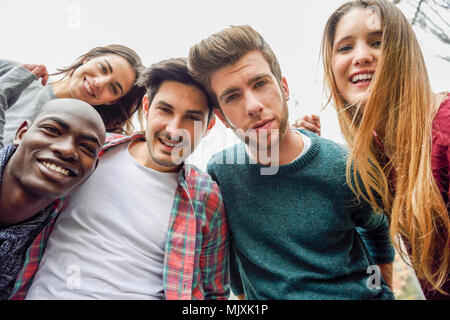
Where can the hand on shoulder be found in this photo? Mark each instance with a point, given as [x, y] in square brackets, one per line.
[39, 70]
[311, 123]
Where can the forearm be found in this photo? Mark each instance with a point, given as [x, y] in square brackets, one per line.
[387, 271]
[12, 85]
[6, 66]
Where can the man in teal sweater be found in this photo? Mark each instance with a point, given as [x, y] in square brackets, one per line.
[297, 230]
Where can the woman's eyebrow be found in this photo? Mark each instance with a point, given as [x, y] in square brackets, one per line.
[111, 71]
[371, 34]
[109, 65]
[344, 39]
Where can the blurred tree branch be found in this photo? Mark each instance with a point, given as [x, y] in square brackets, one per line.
[428, 16]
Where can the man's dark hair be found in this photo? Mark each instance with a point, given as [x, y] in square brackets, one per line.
[174, 69]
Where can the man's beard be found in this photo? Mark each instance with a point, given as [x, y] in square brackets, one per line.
[263, 140]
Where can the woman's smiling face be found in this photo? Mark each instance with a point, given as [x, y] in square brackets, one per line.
[356, 50]
[102, 80]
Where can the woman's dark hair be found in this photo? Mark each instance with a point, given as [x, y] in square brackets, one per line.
[117, 116]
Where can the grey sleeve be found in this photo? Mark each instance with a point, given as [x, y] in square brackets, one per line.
[12, 83]
[7, 65]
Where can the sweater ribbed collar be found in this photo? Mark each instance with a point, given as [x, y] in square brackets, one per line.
[297, 164]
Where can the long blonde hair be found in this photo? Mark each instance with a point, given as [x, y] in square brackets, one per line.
[400, 110]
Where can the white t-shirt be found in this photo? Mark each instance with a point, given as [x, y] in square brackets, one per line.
[306, 144]
[109, 242]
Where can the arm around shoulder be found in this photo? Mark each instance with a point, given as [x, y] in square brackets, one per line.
[6, 65]
[12, 84]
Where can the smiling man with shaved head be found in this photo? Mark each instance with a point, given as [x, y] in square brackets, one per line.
[48, 159]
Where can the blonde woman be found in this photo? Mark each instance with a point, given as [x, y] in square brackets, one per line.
[398, 131]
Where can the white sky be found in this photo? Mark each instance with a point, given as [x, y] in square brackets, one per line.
[55, 33]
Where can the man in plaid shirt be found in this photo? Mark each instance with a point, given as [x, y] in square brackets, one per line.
[145, 225]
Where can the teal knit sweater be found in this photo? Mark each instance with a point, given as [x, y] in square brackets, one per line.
[300, 234]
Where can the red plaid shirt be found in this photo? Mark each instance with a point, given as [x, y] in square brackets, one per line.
[196, 256]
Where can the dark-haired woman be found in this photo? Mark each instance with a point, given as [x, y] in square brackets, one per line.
[105, 77]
